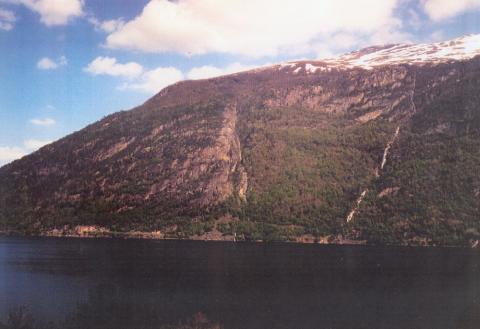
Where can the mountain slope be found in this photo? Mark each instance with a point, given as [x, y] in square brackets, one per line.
[297, 151]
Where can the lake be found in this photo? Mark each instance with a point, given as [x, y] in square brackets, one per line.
[110, 283]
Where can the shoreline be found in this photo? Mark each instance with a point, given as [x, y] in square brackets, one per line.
[204, 238]
[93, 231]
[156, 235]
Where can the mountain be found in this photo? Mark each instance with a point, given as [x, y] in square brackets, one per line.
[381, 146]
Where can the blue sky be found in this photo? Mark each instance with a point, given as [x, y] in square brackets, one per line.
[67, 63]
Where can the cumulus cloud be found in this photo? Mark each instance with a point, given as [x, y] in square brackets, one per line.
[8, 154]
[43, 122]
[414, 19]
[437, 36]
[204, 72]
[7, 19]
[35, 144]
[336, 44]
[248, 27]
[107, 26]
[153, 81]
[442, 9]
[11, 153]
[110, 66]
[46, 63]
[139, 79]
[53, 12]
[209, 71]
[389, 34]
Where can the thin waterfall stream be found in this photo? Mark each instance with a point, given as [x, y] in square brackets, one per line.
[386, 151]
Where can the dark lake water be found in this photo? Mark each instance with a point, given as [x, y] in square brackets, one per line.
[109, 283]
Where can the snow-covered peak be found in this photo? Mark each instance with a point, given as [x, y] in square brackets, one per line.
[462, 48]
[457, 49]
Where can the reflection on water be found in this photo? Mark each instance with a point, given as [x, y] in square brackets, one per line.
[149, 284]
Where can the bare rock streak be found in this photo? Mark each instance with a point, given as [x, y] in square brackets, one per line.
[386, 151]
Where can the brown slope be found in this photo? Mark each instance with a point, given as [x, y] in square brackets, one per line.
[279, 145]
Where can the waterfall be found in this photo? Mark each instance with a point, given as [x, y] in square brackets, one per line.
[357, 204]
[412, 101]
[386, 151]
[359, 200]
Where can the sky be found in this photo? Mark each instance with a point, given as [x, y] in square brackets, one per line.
[67, 63]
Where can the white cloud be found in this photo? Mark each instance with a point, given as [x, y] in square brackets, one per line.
[248, 27]
[323, 50]
[8, 154]
[108, 26]
[54, 12]
[208, 71]
[112, 25]
[148, 81]
[46, 63]
[204, 72]
[7, 19]
[442, 9]
[153, 81]
[11, 153]
[337, 44]
[110, 66]
[35, 144]
[437, 36]
[43, 122]
[389, 34]
[414, 19]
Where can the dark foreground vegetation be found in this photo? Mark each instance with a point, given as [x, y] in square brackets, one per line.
[20, 318]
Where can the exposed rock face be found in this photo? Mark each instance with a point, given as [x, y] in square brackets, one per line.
[284, 152]
[225, 155]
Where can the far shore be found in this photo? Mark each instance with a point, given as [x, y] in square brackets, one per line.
[91, 232]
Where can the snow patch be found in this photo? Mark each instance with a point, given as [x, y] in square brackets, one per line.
[284, 65]
[462, 48]
[458, 49]
[311, 68]
[472, 44]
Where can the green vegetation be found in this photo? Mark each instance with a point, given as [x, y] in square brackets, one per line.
[436, 173]
[309, 145]
[307, 176]
[260, 231]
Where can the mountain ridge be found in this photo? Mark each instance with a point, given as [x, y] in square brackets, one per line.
[277, 153]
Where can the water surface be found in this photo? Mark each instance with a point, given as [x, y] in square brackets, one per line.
[109, 283]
